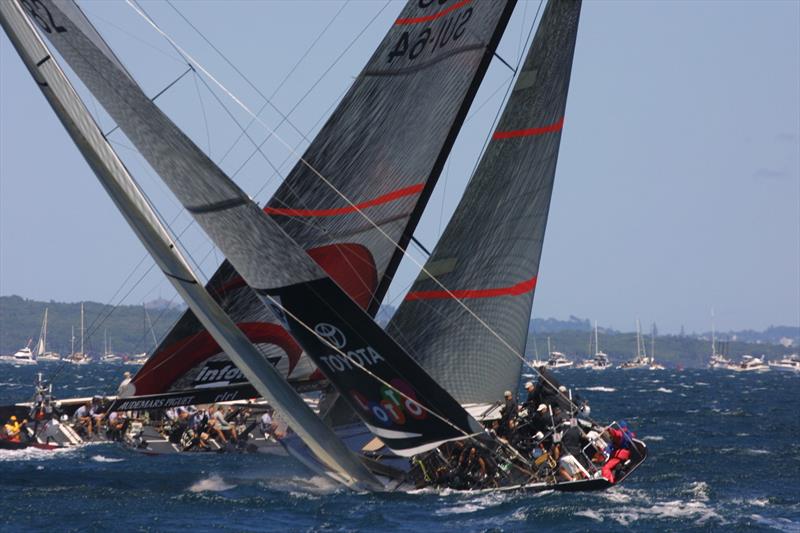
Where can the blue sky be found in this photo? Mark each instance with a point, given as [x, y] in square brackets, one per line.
[678, 183]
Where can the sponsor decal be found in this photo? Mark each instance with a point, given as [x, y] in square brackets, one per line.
[397, 404]
[331, 334]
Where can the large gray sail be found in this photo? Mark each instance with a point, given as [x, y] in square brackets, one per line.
[134, 207]
[399, 402]
[488, 256]
[383, 148]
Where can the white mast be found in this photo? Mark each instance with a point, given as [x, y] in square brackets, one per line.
[638, 340]
[713, 337]
[596, 342]
[140, 216]
[72, 342]
[82, 352]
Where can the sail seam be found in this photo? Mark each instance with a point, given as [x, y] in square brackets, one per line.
[513, 290]
[426, 64]
[428, 18]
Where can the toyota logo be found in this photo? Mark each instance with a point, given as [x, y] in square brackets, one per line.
[331, 334]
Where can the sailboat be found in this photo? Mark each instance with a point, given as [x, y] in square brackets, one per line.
[311, 290]
[108, 356]
[653, 364]
[641, 360]
[717, 360]
[42, 354]
[600, 360]
[79, 357]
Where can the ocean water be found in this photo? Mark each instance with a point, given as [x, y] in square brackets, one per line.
[724, 456]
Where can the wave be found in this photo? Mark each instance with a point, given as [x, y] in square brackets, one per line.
[654, 438]
[33, 454]
[664, 389]
[212, 484]
[599, 389]
[781, 524]
[104, 459]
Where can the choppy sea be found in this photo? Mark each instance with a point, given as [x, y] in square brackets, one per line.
[724, 455]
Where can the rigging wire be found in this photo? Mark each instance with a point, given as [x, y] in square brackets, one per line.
[352, 205]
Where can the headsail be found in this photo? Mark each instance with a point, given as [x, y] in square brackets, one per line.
[402, 405]
[384, 148]
[488, 256]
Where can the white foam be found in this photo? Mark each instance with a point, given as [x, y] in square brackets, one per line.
[756, 451]
[594, 515]
[699, 490]
[664, 389]
[781, 524]
[599, 389]
[104, 459]
[702, 383]
[653, 438]
[33, 454]
[212, 484]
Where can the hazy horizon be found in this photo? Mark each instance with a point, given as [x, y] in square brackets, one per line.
[678, 182]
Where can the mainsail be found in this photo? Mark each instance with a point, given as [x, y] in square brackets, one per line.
[488, 256]
[383, 148]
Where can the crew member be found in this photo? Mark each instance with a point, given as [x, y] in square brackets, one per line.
[533, 398]
[126, 388]
[508, 415]
[14, 429]
[619, 449]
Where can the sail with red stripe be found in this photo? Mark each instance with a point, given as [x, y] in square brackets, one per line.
[488, 256]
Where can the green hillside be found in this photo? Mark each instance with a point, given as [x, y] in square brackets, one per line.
[21, 319]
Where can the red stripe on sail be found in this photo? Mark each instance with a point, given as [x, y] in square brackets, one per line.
[514, 290]
[528, 132]
[386, 198]
[429, 18]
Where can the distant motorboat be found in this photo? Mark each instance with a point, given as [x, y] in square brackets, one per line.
[750, 363]
[789, 362]
[23, 356]
[136, 360]
[558, 360]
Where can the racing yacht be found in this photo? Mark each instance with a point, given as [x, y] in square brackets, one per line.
[305, 275]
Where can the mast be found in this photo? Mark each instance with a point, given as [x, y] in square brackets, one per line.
[653, 344]
[140, 216]
[596, 342]
[82, 352]
[713, 336]
[72, 342]
[638, 340]
[149, 324]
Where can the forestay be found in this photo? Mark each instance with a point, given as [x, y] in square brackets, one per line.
[488, 256]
